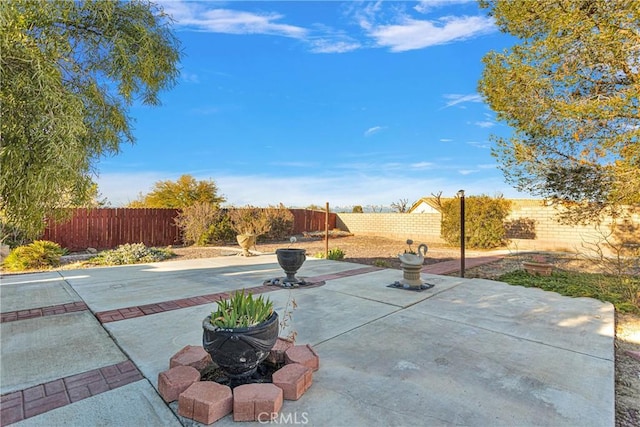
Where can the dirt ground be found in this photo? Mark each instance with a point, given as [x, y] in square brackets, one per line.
[383, 252]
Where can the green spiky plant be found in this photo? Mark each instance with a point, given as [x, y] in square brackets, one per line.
[241, 311]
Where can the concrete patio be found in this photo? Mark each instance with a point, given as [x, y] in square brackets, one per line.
[85, 347]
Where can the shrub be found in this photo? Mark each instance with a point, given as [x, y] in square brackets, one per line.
[484, 221]
[221, 230]
[249, 220]
[273, 222]
[381, 263]
[36, 255]
[202, 223]
[335, 254]
[131, 254]
[281, 222]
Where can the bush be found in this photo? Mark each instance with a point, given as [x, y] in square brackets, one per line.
[272, 223]
[221, 230]
[131, 254]
[198, 222]
[249, 220]
[335, 254]
[37, 255]
[281, 221]
[484, 221]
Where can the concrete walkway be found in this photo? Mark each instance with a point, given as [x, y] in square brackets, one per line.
[85, 347]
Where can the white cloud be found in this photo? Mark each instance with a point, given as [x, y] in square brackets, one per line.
[479, 144]
[230, 21]
[422, 165]
[374, 130]
[428, 5]
[485, 124]
[189, 77]
[333, 46]
[456, 99]
[466, 171]
[412, 34]
[445, 140]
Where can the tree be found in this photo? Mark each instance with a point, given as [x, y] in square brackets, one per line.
[184, 192]
[69, 72]
[400, 206]
[357, 209]
[570, 91]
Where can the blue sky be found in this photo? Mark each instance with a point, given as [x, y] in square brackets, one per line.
[301, 102]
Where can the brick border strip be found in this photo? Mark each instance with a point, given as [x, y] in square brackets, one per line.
[160, 307]
[36, 400]
[12, 316]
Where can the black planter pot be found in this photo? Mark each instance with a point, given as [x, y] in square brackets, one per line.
[291, 260]
[239, 351]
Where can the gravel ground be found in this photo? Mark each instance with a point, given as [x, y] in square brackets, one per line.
[383, 252]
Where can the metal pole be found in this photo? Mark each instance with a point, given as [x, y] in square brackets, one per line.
[326, 230]
[462, 238]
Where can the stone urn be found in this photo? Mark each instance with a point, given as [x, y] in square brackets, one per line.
[411, 264]
[246, 241]
[239, 351]
[291, 260]
[411, 267]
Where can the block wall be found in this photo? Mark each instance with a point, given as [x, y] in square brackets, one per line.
[531, 226]
[424, 227]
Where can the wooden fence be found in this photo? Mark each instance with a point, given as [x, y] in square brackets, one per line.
[308, 220]
[109, 227]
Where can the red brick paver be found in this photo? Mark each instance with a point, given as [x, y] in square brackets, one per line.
[256, 402]
[42, 398]
[276, 355]
[205, 402]
[304, 355]
[176, 380]
[294, 379]
[191, 355]
[12, 316]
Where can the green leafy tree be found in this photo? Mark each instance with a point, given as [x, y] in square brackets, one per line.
[70, 70]
[570, 91]
[357, 209]
[183, 192]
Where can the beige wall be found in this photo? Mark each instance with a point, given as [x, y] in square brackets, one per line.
[530, 226]
[419, 227]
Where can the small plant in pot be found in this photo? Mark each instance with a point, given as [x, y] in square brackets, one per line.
[240, 333]
[249, 222]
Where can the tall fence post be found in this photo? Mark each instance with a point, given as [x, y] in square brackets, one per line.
[462, 238]
[326, 230]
